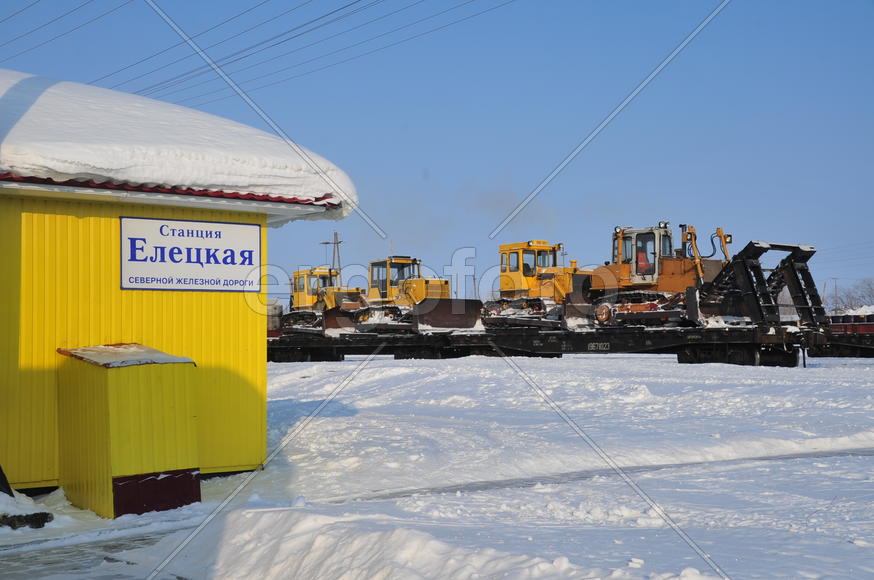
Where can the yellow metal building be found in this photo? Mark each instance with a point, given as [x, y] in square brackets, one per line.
[61, 289]
[128, 220]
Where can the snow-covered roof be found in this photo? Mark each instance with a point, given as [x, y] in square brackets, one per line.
[66, 136]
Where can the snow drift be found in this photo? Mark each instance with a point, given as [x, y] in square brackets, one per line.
[294, 544]
[70, 131]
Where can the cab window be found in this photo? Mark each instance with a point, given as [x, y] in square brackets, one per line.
[503, 262]
[626, 250]
[528, 263]
[377, 277]
[627, 254]
[667, 250]
[645, 254]
[514, 262]
[314, 285]
[546, 258]
[300, 283]
[401, 272]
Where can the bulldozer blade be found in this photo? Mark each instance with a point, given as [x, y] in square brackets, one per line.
[447, 313]
[349, 300]
[577, 315]
[338, 318]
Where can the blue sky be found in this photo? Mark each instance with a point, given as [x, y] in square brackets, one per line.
[762, 125]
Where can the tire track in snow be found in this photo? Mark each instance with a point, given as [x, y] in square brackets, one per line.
[129, 537]
[574, 476]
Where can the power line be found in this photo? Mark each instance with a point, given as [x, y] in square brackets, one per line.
[845, 247]
[419, 21]
[259, 63]
[41, 26]
[200, 69]
[19, 11]
[226, 60]
[843, 261]
[224, 40]
[300, 151]
[363, 54]
[52, 39]
[845, 254]
[180, 43]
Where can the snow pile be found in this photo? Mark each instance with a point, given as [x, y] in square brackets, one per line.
[294, 544]
[860, 310]
[18, 505]
[70, 131]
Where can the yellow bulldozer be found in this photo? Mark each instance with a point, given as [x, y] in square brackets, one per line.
[647, 273]
[398, 281]
[316, 290]
[398, 298]
[532, 285]
[399, 295]
[646, 277]
[646, 260]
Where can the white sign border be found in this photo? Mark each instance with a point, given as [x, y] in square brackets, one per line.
[260, 264]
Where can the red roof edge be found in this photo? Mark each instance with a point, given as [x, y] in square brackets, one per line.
[324, 200]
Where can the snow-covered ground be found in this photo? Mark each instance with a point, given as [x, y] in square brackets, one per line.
[457, 469]
[860, 310]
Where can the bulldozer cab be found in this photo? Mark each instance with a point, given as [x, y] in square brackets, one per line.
[398, 281]
[306, 284]
[521, 263]
[386, 276]
[642, 250]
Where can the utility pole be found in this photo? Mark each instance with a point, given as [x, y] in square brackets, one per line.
[335, 254]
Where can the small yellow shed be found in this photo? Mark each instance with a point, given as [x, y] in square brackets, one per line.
[127, 429]
[127, 220]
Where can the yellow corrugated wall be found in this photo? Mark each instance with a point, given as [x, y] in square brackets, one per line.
[60, 288]
[83, 434]
[151, 422]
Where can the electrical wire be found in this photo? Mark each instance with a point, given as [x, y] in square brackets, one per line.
[194, 73]
[259, 63]
[367, 53]
[181, 42]
[845, 247]
[848, 255]
[848, 259]
[220, 42]
[53, 20]
[19, 11]
[155, 86]
[75, 28]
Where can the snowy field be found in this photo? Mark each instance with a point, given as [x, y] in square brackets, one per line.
[457, 469]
